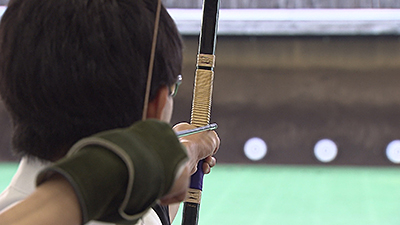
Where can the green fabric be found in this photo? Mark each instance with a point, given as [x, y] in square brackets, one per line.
[105, 183]
[129, 170]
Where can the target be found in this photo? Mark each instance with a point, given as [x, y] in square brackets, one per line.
[325, 150]
[393, 151]
[255, 149]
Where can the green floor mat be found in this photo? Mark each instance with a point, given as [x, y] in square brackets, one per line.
[7, 171]
[293, 195]
[300, 195]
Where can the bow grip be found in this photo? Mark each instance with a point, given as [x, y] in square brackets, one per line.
[196, 180]
[192, 203]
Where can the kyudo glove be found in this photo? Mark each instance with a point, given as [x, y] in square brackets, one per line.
[119, 174]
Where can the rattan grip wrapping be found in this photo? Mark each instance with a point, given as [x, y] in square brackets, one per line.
[202, 97]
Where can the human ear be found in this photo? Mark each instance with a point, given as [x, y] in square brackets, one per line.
[156, 106]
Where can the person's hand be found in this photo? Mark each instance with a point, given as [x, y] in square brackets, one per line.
[209, 162]
[199, 146]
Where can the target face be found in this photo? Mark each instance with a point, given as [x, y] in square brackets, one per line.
[325, 150]
[393, 151]
[255, 149]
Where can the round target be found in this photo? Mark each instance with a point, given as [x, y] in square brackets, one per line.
[393, 151]
[325, 150]
[255, 149]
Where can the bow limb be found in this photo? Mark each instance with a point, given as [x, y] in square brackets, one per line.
[202, 97]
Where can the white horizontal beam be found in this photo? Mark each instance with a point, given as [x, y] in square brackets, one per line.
[294, 21]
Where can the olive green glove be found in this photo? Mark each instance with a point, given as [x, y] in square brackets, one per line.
[119, 174]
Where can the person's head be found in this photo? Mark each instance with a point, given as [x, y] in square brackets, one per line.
[72, 68]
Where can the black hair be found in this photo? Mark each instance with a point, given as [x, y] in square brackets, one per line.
[72, 68]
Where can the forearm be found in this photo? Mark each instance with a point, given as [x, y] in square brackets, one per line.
[129, 169]
[113, 176]
[54, 202]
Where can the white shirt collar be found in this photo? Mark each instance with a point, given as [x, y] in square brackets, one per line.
[25, 177]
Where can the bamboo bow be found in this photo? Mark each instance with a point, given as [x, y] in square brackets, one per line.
[202, 97]
[202, 94]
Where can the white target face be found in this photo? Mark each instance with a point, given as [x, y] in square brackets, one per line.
[255, 149]
[325, 150]
[393, 151]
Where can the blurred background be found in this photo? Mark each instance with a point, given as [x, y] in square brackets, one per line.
[307, 99]
[294, 72]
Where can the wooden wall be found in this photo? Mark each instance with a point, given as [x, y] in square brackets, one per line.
[294, 91]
